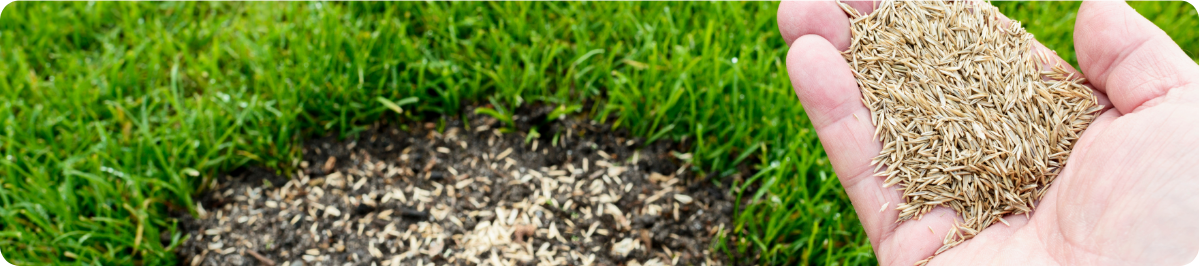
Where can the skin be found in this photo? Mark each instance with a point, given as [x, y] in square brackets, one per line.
[1128, 195]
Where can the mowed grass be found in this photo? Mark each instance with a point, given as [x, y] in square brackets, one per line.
[115, 113]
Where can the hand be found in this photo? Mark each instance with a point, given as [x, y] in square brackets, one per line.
[1129, 192]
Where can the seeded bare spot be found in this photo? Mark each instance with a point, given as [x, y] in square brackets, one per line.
[498, 203]
[968, 119]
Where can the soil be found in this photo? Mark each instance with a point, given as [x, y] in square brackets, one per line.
[578, 194]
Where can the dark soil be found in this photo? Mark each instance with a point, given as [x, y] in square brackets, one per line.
[451, 194]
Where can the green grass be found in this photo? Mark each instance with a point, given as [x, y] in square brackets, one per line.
[1053, 22]
[115, 113]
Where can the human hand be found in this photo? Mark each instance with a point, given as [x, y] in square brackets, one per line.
[1128, 194]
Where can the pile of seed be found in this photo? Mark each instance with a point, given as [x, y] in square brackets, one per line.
[967, 118]
[466, 197]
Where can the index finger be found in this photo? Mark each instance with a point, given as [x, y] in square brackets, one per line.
[831, 98]
[821, 18]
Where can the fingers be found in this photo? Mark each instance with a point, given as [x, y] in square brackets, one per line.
[1127, 57]
[832, 100]
[822, 18]
[824, 82]
[830, 96]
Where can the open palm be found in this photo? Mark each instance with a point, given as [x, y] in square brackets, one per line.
[1128, 195]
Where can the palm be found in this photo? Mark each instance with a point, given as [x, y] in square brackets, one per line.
[1127, 196]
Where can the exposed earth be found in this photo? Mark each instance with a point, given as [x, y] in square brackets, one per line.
[578, 194]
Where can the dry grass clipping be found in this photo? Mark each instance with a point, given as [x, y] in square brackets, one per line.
[967, 119]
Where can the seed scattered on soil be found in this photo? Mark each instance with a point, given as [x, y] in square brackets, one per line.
[396, 197]
[972, 117]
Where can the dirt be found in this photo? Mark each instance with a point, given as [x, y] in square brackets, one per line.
[578, 194]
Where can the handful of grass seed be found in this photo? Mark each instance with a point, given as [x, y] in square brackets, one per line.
[967, 118]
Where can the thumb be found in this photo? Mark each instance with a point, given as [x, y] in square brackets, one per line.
[1127, 57]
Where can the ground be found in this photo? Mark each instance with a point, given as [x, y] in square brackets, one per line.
[466, 195]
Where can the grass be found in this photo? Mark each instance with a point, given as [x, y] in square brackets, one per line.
[1053, 22]
[115, 113]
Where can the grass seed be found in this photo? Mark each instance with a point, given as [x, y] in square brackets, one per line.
[968, 118]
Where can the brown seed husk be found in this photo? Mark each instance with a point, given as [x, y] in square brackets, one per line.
[969, 118]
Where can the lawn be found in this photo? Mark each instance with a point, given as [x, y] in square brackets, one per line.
[116, 113]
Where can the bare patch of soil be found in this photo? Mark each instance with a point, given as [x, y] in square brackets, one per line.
[580, 194]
